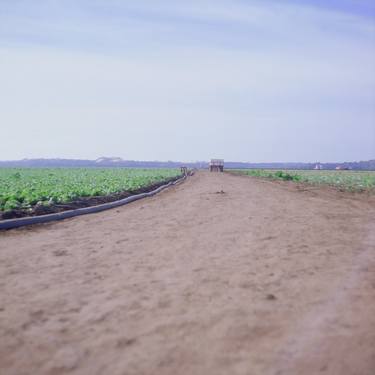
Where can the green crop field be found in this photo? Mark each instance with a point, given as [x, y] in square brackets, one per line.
[22, 188]
[344, 180]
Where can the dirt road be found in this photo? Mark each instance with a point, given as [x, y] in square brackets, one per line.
[263, 278]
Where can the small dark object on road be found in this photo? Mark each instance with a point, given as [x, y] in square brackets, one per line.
[271, 297]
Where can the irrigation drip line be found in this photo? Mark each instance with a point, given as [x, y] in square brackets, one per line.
[21, 222]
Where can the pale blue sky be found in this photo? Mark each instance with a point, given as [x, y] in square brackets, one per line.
[256, 81]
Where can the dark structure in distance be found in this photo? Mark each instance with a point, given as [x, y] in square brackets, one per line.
[217, 165]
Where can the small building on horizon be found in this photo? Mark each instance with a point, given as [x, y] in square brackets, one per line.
[217, 165]
[342, 168]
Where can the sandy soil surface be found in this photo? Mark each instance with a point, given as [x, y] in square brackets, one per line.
[263, 278]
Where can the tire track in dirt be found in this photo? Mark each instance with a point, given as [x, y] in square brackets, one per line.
[325, 333]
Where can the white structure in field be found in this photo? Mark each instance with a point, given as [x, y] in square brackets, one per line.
[217, 165]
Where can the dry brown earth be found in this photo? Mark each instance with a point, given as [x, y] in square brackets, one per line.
[265, 278]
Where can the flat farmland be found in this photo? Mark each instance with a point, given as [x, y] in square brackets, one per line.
[223, 274]
[355, 181]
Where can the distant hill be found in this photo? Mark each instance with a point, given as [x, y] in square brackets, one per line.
[119, 162]
[100, 162]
